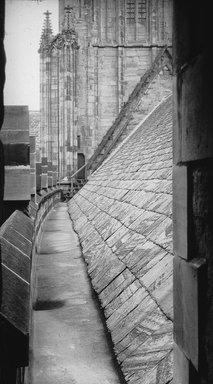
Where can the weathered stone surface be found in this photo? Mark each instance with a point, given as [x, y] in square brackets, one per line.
[184, 372]
[189, 141]
[123, 219]
[188, 308]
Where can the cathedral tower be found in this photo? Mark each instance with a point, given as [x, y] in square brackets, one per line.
[93, 65]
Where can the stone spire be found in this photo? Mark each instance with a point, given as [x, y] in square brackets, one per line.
[68, 23]
[47, 32]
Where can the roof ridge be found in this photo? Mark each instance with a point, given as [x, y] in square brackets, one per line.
[133, 131]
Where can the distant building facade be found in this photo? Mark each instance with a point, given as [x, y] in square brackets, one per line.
[89, 70]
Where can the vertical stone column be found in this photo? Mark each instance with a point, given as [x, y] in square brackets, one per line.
[69, 111]
[120, 52]
[54, 117]
[74, 121]
[64, 141]
[193, 195]
[120, 78]
[106, 4]
[45, 102]
[161, 21]
[40, 154]
[153, 22]
[46, 106]
[67, 41]
[42, 105]
[49, 123]
[33, 165]
[96, 92]
[46, 127]
[97, 22]
[61, 136]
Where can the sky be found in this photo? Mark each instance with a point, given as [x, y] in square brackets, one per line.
[23, 26]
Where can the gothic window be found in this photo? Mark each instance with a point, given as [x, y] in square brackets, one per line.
[136, 10]
[141, 11]
[130, 11]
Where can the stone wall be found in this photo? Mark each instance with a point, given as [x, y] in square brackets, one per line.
[123, 218]
[193, 208]
[153, 86]
[112, 57]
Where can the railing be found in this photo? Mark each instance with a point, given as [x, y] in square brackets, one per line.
[74, 184]
[44, 204]
[79, 170]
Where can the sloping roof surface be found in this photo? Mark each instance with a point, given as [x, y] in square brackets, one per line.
[123, 219]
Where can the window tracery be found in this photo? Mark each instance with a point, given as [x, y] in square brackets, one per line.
[130, 11]
[136, 11]
[141, 11]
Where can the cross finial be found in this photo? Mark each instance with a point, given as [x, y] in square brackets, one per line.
[47, 14]
[68, 9]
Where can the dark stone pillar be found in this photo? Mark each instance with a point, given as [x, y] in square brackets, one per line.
[193, 191]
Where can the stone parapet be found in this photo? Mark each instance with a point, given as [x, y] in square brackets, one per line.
[19, 237]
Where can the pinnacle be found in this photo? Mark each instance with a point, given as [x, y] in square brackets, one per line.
[68, 23]
[47, 27]
[47, 31]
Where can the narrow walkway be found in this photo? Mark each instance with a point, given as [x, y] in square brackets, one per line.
[69, 342]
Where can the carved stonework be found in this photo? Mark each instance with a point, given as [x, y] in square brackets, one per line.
[67, 38]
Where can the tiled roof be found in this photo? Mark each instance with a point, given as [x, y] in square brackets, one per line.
[123, 218]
